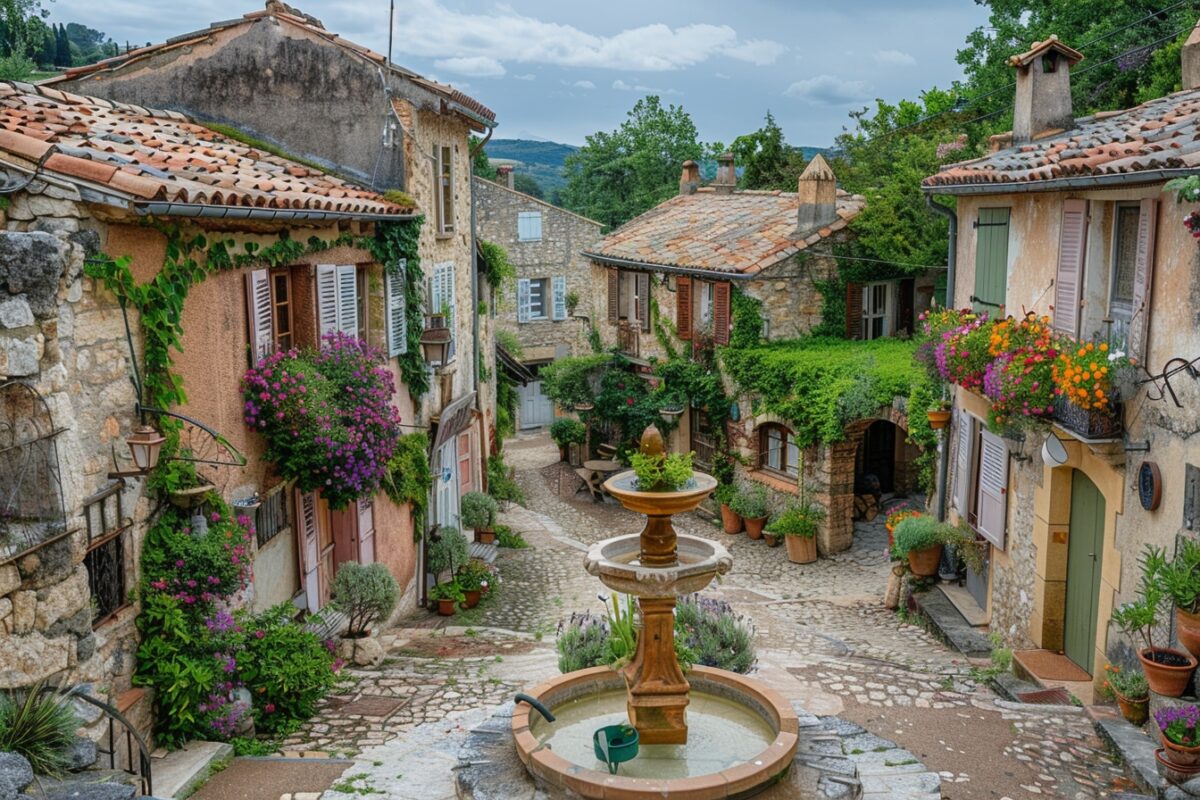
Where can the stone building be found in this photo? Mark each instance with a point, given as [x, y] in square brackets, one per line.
[670, 275]
[270, 74]
[1070, 218]
[542, 308]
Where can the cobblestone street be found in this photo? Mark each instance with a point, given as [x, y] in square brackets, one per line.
[824, 641]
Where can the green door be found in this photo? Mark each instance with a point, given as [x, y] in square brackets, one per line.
[991, 260]
[1084, 553]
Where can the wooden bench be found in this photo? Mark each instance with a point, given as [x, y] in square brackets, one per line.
[592, 481]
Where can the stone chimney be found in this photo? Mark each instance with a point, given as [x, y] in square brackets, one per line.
[726, 180]
[1043, 89]
[817, 195]
[504, 177]
[1191, 60]
[689, 181]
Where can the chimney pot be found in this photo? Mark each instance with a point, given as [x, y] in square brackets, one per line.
[1191, 60]
[726, 180]
[817, 195]
[689, 180]
[1043, 100]
[505, 177]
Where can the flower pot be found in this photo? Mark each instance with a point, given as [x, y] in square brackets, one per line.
[473, 597]
[802, 549]
[754, 527]
[1171, 673]
[731, 522]
[1134, 711]
[1178, 754]
[938, 418]
[485, 535]
[924, 563]
[772, 539]
[1187, 628]
[1174, 773]
[562, 452]
[445, 608]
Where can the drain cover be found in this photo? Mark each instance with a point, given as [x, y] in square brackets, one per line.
[373, 706]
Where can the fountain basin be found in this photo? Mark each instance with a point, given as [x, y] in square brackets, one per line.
[762, 714]
[615, 562]
[623, 486]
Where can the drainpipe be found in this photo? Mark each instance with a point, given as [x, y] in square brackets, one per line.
[475, 272]
[951, 262]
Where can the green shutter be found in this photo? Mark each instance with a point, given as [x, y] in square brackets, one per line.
[991, 261]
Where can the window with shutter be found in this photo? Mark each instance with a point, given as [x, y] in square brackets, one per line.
[643, 300]
[614, 295]
[441, 301]
[523, 299]
[347, 289]
[991, 261]
[327, 298]
[258, 314]
[307, 548]
[529, 226]
[721, 317]
[444, 169]
[1143, 280]
[704, 304]
[876, 310]
[397, 314]
[1068, 281]
[559, 291]
[464, 462]
[992, 502]
[963, 463]
[281, 305]
[683, 308]
[854, 310]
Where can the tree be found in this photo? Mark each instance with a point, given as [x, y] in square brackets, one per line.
[62, 47]
[88, 45]
[480, 165]
[524, 182]
[616, 176]
[767, 161]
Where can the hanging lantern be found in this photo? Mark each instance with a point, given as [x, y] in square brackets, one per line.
[144, 444]
[435, 341]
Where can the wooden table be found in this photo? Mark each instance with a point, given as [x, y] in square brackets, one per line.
[603, 466]
[593, 474]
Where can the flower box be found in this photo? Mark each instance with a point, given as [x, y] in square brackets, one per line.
[1089, 424]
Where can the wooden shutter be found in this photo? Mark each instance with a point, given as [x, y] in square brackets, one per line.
[993, 488]
[962, 463]
[327, 299]
[643, 299]
[991, 261]
[1143, 281]
[448, 297]
[720, 314]
[854, 307]
[464, 462]
[523, 300]
[683, 308]
[614, 295]
[366, 530]
[308, 548]
[258, 314]
[397, 314]
[1068, 282]
[559, 292]
[347, 301]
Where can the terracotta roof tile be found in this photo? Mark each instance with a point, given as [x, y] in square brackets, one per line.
[740, 232]
[152, 155]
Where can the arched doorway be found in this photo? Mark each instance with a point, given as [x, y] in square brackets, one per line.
[1085, 551]
[877, 456]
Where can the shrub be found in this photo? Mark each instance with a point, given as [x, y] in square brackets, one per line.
[447, 552]
[583, 642]
[39, 726]
[1140, 617]
[1128, 683]
[366, 593]
[661, 472]
[286, 668]
[1181, 577]
[801, 519]
[408, 478]
[477, 511]
[475, 576]
[920, 533]
[198, 568]
[501, 485]
[751, 502]
[715, 635]
[725, 493]
[567, 431]
[507, 537]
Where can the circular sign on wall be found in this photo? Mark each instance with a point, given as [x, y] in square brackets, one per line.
[1149, 485]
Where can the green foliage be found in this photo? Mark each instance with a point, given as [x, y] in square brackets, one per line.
[507, 400]
[366, 593]
[662, 472]
[400, 198]
[526, 183]
[801, 519]
[244, 747]
[508, 340]
[477, 510]
[501, 484]
[448, 590]
[287, 669]
[1129, 682]
[496, 266]
[473, 576]
[582, 643]
[573, 380]
[924, 396]
[447, 552]
[507, 537]
[725, 494]
[766, 160]
[480, 165]
[714, 634]
[173, 553]
[39, 725]
[409, 477]
[962, 540]
[920, 533]
[747, 320]
[861, 398]
[751, 502]
[567, 431]
[1181, 576]
[16, 68]
[173, 661]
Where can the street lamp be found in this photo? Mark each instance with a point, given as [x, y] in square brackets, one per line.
[144, 442]
[435, 342]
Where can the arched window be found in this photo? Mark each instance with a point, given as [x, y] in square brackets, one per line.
[778, 451]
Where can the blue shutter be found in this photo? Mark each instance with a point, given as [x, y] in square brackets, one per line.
[559, 293]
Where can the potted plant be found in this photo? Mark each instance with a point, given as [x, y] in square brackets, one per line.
[751, 504]
[1168, 671]
[1131, 691]
[920, 540]
[798, 525]
[473, 578]
[895, 516]
[724, 495]
[448, 596]
[938, 415]
[565, 432]
[661, 472]
[1181, 582]
[772, 539]
[572, 301]
[366, 594]
[1177, 732]
[478, 512]
[447, 552]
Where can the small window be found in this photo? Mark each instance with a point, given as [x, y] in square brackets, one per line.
[875, 310]
[272, 516]
[778, 451]
[281, 308]
[704, 298]
[537, 298]
[106, 560]
[529, 226]
[443, 175]
[1124, 265]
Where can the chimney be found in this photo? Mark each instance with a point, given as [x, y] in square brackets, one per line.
[817, 195]
[1191, 60]
[504, 177]
[689, 181]
[1043, 89]
[726, 180]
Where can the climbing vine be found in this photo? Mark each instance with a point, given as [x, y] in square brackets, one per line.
[747, 319]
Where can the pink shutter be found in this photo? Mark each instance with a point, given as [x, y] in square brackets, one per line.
[307, 548]
[1069, 280]
[993, 489]
[1143, 281]
[258, 314]
[614, 295]
[464, 462]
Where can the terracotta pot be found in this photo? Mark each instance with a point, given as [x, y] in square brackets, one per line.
[924, 563]
[485, 535]
[472, 598]
[801, 549]
[1168, 680]
[730, 521]
[772, 539]
[445, 608]
[1187, 628]
[1134, 711]
[754, 527]
[891, 541]
[938, 419]
[1178, 754]
[1174, 773]
[562, 452]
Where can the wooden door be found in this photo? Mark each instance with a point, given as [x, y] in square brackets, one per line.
[1084, 561]
[345, 534]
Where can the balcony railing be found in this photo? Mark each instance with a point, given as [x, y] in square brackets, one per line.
[628, 339]
[1089, 424]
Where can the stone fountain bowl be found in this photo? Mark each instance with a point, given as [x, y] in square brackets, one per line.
[623, 486]
[614, 562]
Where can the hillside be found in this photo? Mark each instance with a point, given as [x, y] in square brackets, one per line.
[542, 160]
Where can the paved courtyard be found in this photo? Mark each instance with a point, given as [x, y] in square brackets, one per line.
[824, 641]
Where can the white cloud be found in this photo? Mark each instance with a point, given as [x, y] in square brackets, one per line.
[622, 86]
[584, 85]
[475, 66]
[528, 76]
[428, 28]
[828, 90]
[896, 58]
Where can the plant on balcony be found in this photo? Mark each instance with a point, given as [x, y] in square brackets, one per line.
[1092, 375]
[935, 324]
[326, 415]
[962, 356]
[1019, 381]
[661, 472]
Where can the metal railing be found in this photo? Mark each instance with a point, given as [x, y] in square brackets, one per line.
[132, 738]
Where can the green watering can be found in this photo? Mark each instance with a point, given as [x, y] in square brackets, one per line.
[614, 744]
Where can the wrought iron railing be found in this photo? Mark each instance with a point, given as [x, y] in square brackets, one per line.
[107, 531]
[1089, 424]
[628, 339]
[139, 768]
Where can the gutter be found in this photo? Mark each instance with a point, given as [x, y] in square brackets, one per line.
[196, 210]
[469, 114]
[707, 274]
[1082, 182]
[951, 270]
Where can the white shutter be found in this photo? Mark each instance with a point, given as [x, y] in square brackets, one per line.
[451, 318]
[559, 291]
[993, 489]
[307, 548]
[258, 314]
[347, 301]
[962, 463]
[397, 314]
[1069, 280]
[523, 300]
[327, 298]
[1143, 281]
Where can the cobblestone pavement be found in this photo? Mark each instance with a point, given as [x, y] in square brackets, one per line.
[824, 640]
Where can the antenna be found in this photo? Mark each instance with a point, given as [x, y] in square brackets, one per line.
[391, 23]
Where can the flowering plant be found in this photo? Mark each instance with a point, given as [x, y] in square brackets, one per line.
[1130, 684]
[1178, 724]
[962, 355]
[1192, 223]
[899, 515]
[327, 416]
[1019, 381]
[935, 322]
[1084, 374]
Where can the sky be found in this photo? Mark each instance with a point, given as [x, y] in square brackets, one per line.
[561, 70]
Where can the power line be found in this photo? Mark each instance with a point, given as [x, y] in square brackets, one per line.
[1159, 40]
[1149, 16]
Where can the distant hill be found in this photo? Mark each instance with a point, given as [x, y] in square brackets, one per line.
[542, 161]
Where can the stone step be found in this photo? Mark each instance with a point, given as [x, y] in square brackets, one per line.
[180, 772]
[951, 625]
[1134, 748]
[1009, 686]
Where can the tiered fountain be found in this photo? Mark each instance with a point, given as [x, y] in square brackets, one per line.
[710, 734]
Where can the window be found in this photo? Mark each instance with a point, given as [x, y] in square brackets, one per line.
[1124, 261]
[281, 308]
[703, 437]
[991, 261]
[529, 226]
[442, 300]
[272, 516]
[629, 298]
[443, 180]
[876, 310]
[981, 479]
[397, 311]
[704, 299]
[537, 299]
[105, 559]
[778, 451]
[339, 300]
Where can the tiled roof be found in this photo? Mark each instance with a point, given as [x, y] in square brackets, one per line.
[742, 232]
[307, 23]
[1143, 142]
[148, 155]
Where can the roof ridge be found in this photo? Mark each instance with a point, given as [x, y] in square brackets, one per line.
[538, 200]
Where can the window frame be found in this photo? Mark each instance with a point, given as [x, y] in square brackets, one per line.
[443, 182]
[883, 315]
[542, 287]
[787, 446]
[1122, 309]
[529, 216]
[282, 309]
